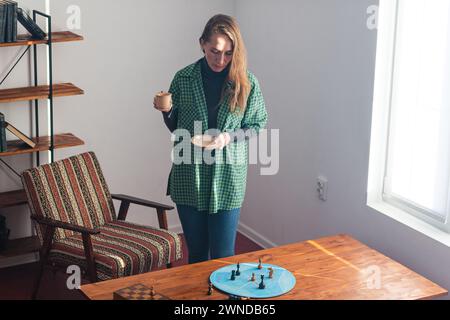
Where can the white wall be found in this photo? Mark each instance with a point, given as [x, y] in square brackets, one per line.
[315, 60]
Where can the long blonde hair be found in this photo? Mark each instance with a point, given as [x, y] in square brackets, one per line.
[237, 75]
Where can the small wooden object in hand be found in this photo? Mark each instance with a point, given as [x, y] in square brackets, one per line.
[164, 101]
[138, 292]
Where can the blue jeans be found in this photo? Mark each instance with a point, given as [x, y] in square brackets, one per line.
[209, 234]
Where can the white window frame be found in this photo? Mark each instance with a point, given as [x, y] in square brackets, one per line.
[405, 212]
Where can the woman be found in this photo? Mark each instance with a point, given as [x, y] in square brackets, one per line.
[219, 93]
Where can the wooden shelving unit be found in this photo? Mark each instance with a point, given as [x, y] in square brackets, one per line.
[64, 140]
[39, 92]
[26, 40]
[35, 93]
[12, 198]
[21, 246]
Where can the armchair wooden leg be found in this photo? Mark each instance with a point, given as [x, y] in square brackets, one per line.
[89, 252]
[54, 269]
[48, 238]
[162, 219]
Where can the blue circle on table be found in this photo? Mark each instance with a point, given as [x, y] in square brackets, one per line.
[282, 282]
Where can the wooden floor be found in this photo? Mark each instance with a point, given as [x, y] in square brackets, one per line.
[16, 282]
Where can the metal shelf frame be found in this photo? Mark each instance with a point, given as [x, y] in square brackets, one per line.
[50, 97]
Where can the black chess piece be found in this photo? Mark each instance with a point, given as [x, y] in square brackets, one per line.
[210, 289]
[261, 284]
[238, 273]
[152, 293]
[233, 275]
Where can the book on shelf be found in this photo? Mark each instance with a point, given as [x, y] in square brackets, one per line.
[8, 21]
[3, 145]
[31, 26]
[14, 6]
[3, 21]
[4, 11]
[20, 135]
[8, 31]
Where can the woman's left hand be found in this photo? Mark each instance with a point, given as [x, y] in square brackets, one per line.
[219, 142]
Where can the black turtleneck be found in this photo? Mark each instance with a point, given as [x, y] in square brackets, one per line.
[212, 87]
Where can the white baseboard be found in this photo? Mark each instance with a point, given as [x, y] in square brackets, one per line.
[255, 236]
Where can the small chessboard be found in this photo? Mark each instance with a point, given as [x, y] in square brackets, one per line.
[138, 292]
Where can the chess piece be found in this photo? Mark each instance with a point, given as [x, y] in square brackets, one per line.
[270, 273]
[233, 275]
[210, 289]
[253, 277]
[260, 264]
[152, 293]
[261, 284]
[238, 273]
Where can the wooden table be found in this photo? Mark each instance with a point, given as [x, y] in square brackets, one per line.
[337, 267]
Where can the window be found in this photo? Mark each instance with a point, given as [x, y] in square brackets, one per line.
[410, 144]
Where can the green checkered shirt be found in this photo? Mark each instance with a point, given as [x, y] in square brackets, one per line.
[221, 185]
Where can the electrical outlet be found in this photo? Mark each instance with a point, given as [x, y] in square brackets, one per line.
[322, 187]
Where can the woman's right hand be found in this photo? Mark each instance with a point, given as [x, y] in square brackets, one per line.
[161, 108]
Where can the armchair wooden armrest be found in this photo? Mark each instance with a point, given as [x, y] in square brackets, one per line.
[141, 202]
[127, 200]
[64, 225]
[86, 233]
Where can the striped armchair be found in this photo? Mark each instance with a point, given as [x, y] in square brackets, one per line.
[77, 223]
